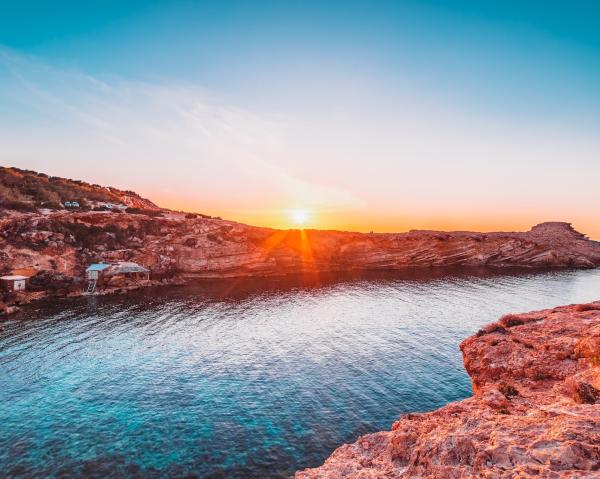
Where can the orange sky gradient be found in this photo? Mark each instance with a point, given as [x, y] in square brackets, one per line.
[382, 222]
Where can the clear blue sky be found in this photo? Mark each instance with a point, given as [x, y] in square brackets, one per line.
[502, 51]
[464, 110]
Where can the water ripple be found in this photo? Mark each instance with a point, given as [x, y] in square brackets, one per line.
[245, 379]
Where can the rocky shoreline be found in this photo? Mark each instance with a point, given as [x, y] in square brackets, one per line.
[535, 410]
[179, 247]
[65, 242]
[24, 298]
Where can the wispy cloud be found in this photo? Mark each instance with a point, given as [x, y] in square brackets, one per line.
[180, 137]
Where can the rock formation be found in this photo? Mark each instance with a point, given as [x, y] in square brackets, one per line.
[535, 411]
[65, 242]
[37, 231]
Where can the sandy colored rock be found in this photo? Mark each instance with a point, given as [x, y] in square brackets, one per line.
[38, 231]
[66, 242]
[535, 412]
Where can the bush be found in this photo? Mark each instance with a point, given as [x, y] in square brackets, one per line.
[508, 390]
[582, 392]
[52, 206]
[17, 205]
[140, 211]
[587, 307]
[511, 320]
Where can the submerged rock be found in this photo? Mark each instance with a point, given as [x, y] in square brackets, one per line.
[535, 411]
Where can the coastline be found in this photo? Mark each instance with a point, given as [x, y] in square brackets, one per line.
[306, 279]
[178, 248]
[32, 297]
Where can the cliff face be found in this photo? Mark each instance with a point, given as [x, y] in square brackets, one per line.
[36, 231]
[174, 243]
[535, 410]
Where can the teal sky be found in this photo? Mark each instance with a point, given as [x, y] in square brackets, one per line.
[474, 113]
[498, 55]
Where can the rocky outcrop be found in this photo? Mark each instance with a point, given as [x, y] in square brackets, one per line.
[174, 243]
[535, 411]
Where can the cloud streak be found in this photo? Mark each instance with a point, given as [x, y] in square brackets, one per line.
[180, 139]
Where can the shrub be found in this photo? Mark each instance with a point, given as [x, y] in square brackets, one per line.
[52, 206]
[510, 320]
[140, 211]
[587, 307]
[214, 238]
[508, 390]
[17, 205]
[491, 328]
[583, 393]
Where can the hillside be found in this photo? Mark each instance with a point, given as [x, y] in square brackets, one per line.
[26, 190]
[57, 243]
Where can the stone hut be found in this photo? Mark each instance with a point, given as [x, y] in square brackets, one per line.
[128, 270]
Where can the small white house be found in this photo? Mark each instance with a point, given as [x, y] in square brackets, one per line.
[14, 282]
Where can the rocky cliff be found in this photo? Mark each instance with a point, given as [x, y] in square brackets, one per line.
[535, 411]
[37, 231]
[171, 243]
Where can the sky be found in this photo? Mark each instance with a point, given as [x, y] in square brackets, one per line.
[368, 116]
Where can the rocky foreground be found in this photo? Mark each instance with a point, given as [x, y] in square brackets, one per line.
[535, 410]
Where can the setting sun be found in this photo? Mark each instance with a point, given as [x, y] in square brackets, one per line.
[299, 216]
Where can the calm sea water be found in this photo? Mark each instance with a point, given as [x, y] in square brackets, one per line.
[242, 379]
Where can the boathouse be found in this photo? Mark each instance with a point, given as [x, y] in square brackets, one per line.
[128, 269]
[115, 274]
[14, 282]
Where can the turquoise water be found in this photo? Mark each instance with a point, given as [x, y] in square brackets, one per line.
[242, 379]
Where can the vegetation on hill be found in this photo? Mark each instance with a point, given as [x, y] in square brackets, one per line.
[27, 190]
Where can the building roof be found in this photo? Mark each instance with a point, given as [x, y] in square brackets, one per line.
[29, 272]
[127, 267]
[98, 267]
[13, 277]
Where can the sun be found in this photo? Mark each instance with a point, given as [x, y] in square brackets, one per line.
[299, 216]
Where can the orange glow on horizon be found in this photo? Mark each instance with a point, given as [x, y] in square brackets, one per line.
[365, 220]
